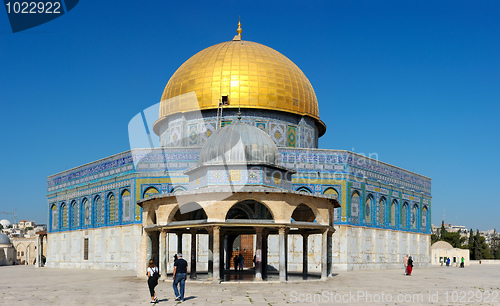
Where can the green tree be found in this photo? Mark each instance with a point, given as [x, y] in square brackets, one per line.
[495, 242]
[442, 231]
[480, 248]
[1, 226]
[434, 238]
[477, 246]
[455, 239]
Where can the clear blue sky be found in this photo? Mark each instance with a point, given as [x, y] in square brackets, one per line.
[417, 82]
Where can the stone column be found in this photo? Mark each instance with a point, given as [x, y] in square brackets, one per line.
[210, 253]
[264, 254]
[305, 262]
[216, 254]
[324, 255]
[329, 253]
[258, 254]
[227, 253]
[163, 252]
[179, 242]
[149, 247]
[193, 253]
[283, 242]
[38, 255]
[222, 254]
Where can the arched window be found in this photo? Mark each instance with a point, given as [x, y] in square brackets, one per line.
[55, 217]
[332, 191]
[99, 210]
[150, 192]
[64, 215]
[334, 194]
[404, 215]
[177, 189]
[277, 178]
[355, 206]
[394, 205]
[74, 214]
[381, 210]
[424, 218]
[87, 212]
[125, 202]
[112, 207]
[304, 189]
[414, 216]
[368, 208]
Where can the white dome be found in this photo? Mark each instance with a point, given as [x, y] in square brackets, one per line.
[239, 143]
[441, 245]
[5, 222]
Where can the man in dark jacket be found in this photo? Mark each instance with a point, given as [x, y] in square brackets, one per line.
[180, 271]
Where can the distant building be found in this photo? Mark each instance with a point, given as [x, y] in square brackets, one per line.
[450, 228]
[23, 224]
[25, 250]
[489, 236]
[442, 250]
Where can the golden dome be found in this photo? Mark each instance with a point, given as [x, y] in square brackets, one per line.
[250, 74]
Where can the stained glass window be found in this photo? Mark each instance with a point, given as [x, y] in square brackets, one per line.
[334, 194]
[74, 214]
[64, 212]
[368, 209]
[404, 213]
[55, 217]
[380, 211]
[424, 218]
[355, 204]
[393, 212]
[99, 210]
[112, 208]
[126, 205]
[414, 216]
[87, 213]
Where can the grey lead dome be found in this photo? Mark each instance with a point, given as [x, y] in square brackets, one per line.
[239, 143]
[4, 239]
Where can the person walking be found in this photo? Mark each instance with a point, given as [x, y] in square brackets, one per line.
[180, 271]
[405, 263]
[153, 275]
[448, 262]
[462, 263]
[236, 261]
[410, 266]
[240, 262]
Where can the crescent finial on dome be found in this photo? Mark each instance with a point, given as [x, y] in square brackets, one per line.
[239, 30]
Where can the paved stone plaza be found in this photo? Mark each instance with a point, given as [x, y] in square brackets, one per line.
[477, 284]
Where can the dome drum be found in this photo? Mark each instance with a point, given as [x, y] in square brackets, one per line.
[192, 129]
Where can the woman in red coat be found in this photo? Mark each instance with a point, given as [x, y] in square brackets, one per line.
[409, 268]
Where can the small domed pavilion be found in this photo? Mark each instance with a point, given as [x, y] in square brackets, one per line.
[239, 188]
